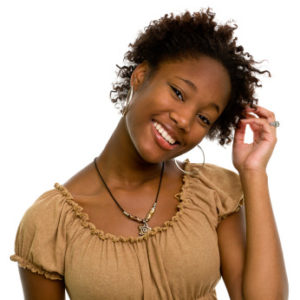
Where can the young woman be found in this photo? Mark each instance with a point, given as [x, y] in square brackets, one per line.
[137, 224]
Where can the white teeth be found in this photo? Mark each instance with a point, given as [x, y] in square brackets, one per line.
[164, 134]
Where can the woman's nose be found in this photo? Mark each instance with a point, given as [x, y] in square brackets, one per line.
[183, 119]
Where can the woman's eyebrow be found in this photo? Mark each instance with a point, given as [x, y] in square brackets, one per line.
[188, 82]
[216, 106]
[193, 86]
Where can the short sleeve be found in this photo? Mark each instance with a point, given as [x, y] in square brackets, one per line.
[40, 242]
[229, 194]
[219, 191]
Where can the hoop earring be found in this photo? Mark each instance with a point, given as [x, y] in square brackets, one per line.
[128, 99]
[186, 172]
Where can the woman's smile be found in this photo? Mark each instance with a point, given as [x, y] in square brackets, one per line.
[162, 137]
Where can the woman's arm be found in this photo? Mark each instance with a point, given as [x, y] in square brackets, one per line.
[37, 287]
[264, 275]
[232, 244]
[264, 271]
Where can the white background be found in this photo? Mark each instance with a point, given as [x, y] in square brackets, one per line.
[57, 64]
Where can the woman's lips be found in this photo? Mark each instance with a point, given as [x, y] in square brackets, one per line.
[162, 143]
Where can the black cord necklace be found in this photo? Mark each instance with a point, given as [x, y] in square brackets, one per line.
[145, 227]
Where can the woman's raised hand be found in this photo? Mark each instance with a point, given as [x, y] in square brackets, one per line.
[255, 156]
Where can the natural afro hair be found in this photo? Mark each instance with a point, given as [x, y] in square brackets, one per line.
[189, 36]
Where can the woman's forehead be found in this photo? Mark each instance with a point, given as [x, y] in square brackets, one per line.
[205, 75]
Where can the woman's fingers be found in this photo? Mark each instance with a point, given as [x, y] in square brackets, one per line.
[258, 119]
[261, 112]
[261, 126]
[256, 154]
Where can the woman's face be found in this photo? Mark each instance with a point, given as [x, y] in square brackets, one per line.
[171, 112]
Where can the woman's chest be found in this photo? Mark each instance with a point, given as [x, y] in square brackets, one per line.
[181, 262]
[116, 213]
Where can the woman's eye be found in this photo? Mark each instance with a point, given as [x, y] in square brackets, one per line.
[204, 119]
[178, 93]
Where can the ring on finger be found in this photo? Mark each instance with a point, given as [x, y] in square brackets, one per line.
[275, 124]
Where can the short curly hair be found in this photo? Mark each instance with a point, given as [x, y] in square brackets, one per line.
[190, 35]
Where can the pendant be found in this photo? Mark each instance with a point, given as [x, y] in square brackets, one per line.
[144, 228]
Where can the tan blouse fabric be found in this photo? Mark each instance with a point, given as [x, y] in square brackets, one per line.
[179, 260]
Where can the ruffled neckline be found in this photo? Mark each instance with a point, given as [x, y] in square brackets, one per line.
[86, 223]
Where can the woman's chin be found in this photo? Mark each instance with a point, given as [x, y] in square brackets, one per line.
[154, 157]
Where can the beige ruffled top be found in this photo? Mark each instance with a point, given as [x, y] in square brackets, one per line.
[179, 260]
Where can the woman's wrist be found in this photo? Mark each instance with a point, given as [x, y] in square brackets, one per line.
[250, 173]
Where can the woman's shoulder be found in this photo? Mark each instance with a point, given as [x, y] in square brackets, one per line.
[83, 184]
[219, 185]
[215, 174]
[57, 205]
[224, 181]
[51, 202]
[211, 169]
[46, 210]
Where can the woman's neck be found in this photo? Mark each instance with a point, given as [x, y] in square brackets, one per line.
[121, 163]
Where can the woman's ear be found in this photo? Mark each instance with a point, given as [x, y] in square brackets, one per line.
[139, 75]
